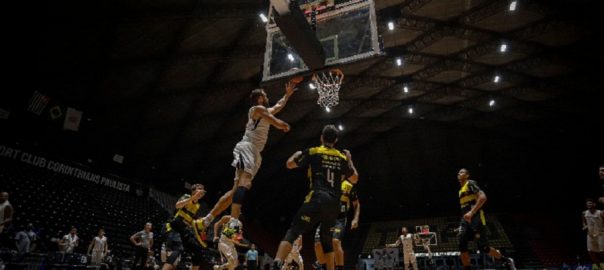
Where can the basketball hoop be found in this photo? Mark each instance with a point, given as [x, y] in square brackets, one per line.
[328, 86]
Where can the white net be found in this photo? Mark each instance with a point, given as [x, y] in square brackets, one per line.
[328, 86]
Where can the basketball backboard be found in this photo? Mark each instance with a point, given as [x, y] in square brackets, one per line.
[346, 29]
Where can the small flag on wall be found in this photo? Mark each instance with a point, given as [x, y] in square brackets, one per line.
[37, 103]
[72, 119]
[55, 112]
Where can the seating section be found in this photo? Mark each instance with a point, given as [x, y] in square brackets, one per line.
[55, 202]
[165, 200]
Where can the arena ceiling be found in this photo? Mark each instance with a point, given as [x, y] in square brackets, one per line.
[166, 83]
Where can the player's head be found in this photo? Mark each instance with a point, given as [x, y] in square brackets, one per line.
[196, 188]
[590, 203]
[73, 230]
[329, 136]
[600, 172]
[253, 247]
[404, 230]
[3, 197]
[463, 174]
[101, 232]
[148, 226]
[259, 97]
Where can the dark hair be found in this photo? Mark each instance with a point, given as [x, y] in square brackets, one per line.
[330, 134]
[590, 200]
[256, 93]
[467, 171]
[195, 186]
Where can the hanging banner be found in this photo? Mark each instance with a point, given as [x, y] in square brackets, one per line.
[61, 167]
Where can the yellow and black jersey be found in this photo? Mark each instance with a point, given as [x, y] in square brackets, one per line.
[349, 195]
[189, 212]
[327, 168]
[468, 194]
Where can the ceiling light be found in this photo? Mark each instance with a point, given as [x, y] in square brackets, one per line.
[399, 61]
[410, 110]
[503, 48]
[327, 109]
[263, 18]
[513, 5]
[406, 89]
[340, 127]
[290, 57]
[496, 79]
[312, 86]
[492, 102]
[390, 26]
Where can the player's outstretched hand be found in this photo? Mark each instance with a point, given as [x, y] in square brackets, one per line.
[290, 87]
[286, 128]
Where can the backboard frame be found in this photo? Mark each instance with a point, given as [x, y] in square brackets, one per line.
[331, 62]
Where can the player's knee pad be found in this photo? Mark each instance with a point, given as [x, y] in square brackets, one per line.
[239, 195]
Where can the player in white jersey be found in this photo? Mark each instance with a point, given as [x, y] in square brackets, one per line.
[247, 158]
[593, 222]
[230, 235]
[405, 240]
[294, 256]
[98, 248]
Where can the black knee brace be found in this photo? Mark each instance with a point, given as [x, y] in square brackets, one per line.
[239, 195]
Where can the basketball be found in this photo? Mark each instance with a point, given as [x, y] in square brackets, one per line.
[297, 79]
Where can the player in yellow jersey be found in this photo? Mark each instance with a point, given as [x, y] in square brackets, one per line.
[327, 168]
[473, 223]
[349, 198]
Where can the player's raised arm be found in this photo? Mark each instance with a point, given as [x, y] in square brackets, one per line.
[262, 112]
[290, 88]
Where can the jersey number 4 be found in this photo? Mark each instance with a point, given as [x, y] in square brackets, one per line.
[330, 177]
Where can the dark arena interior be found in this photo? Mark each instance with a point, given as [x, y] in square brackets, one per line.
[122, 106]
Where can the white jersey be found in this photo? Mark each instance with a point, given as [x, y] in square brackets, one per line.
[230, 229]
[256, 131]
[406, 241]
[595, 223]
[99, 243]
[71, 241]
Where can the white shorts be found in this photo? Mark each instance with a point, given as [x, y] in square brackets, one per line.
[229, 251]
[595, 244]
[247, 158]
[97, 257]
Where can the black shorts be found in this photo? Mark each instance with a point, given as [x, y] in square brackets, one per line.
[337, 231]
[173, 241]
[188, 241]
[319, 209]
[473, 231]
